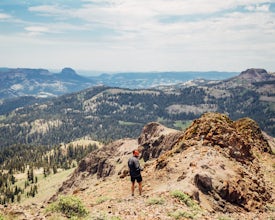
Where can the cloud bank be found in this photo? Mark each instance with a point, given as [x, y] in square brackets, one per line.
[131, 35]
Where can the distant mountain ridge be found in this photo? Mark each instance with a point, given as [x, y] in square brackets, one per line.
[143, 80]
[43, 83]
[40, 82]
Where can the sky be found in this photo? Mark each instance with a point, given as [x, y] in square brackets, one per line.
[138, 35]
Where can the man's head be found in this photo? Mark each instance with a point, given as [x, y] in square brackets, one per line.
[136, 153]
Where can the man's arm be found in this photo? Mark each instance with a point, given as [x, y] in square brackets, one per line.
[137, 165]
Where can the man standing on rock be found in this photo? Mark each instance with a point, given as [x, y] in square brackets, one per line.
[135, 169]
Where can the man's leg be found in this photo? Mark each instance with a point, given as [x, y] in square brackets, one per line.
[133, 187]
[140, 187]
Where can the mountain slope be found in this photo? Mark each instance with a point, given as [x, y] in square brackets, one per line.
[105, 113]
[216, 169]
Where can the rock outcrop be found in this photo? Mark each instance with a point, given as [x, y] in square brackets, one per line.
[236, 138]
[224, 163]
[157, 139]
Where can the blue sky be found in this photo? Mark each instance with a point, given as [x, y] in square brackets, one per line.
[138, 35]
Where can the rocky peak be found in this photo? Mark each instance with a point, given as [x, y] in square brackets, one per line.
[237, 139]
[68, 72]
[255, 75]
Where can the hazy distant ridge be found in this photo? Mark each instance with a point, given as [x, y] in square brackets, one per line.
[43, 83]
[138, 80]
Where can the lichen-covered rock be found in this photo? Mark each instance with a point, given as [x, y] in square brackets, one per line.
[238, 139]
[252, 134]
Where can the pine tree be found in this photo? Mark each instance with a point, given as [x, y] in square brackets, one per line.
[54, 169]
[18, 199]
[31, 176]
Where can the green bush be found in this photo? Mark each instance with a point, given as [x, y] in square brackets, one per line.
[270, 207]
[101, 199]
[224, 218]
[155, 201]
[182, 214]
[185, 199]
[70, 206]
[104, 216]
[6, 217]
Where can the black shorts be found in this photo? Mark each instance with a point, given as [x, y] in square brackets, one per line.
[136, 178]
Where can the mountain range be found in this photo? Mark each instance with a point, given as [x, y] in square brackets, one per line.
[107, 113]
[42, 83]
[144, 80]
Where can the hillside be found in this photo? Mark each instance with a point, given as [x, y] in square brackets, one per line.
[21, 87]
[107, 113]
[216, 169]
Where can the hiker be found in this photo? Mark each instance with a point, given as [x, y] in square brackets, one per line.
[135, 169]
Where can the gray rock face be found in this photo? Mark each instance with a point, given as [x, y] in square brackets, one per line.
[157, 139]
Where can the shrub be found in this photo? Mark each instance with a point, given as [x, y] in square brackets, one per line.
[182, 214]
[104, 216]
[101, 199]
[70, 206]
[185, 199]
[224, 218]
[155, 201]
[6, 217]
[270, 208]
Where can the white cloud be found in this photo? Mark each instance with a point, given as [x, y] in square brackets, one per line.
[258, 8]
[39, 29]
[138, 16]
[131, 34]
[4, 16]
[49, 10]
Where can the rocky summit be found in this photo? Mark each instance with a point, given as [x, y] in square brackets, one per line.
[255, 75]
[216, 169]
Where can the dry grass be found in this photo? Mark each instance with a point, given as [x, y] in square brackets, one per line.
[47, 186]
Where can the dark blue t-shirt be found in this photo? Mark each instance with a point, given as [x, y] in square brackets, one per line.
[134, 166]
